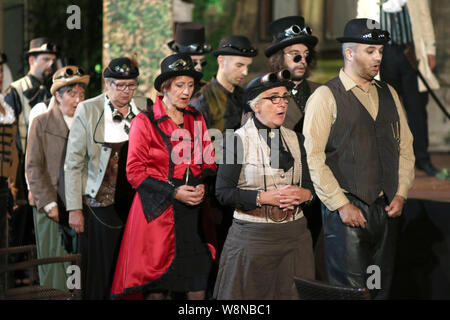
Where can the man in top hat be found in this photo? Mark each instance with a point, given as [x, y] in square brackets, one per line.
[412, 48]
[97, 193]
[190, 39]
[293, 49]
[221, 101]
[22, 96]
[361, 160]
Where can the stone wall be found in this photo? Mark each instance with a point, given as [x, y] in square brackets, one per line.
[138, 27]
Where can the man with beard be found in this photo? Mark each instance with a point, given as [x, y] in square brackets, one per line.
[293, 49]
[22, 96]
[361, 160]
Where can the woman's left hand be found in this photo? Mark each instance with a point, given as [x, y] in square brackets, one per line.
[292, 196]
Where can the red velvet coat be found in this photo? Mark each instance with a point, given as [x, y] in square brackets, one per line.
[148, 245]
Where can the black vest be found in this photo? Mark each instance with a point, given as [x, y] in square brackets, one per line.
[363, 153]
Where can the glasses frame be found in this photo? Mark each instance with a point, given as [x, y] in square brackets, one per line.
[277, 99]
[123, 86]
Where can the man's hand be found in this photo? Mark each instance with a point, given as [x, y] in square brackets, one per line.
[76, 220]
[395, 208]
[352, 216]
[53, 213]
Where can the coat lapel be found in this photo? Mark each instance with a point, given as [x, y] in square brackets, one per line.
[55, 123]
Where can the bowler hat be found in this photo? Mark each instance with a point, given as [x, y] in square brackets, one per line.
[41, 45]
[288, 31]
[121, 68]
[178, 64]
[235, 45]
[364, 31]
[189, 38]
[68, 75]
[267, 81]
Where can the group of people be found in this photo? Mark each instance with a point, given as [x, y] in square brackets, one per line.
[158, 203]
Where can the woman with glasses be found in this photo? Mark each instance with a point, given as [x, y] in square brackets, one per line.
[98, 196]
[170, 156]
[265, 178]
[47, 140]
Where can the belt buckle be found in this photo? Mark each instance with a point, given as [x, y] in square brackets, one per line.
[270, 215]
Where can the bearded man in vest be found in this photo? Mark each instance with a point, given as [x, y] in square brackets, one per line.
[361, 159]
[22, 96]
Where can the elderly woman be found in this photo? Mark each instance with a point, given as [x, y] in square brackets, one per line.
[45, 153]
[169, 157]
[267, 183]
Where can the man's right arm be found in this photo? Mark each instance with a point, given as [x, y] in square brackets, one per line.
[320, 115]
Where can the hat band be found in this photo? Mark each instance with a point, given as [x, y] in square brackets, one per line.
[243, 50]
[45, 47]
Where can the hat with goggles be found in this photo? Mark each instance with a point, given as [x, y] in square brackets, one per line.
[268, 81]
[68, 75]
[288, 31]
[121, 68]
[190, 39]
[364, 31]
[235, 45]
[40, 46]
[178, 64]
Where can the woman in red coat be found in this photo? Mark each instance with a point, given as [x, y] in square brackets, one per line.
[169, 157]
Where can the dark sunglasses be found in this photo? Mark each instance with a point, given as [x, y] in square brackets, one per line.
[201, 62]
[243, 50]
[69, 72]
[199, 47]
[377, 34]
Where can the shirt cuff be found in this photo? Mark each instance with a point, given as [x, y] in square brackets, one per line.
[49, 206]
[402, 191]
[336, 202]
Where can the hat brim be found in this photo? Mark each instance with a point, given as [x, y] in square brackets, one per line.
[232, 52]
[35, 53]
[171, 74]
[59, 83]
[359, 40]
[173, 47]
[308, 40]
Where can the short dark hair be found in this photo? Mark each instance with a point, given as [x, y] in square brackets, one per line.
[276, 61]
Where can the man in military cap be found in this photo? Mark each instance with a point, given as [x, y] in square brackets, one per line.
[293, 49]
[97, 192]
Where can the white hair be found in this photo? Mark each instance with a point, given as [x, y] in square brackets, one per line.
[252, 103]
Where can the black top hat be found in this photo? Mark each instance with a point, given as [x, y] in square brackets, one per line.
[121, 68]
[364, 31]
[190, 39]
[268, 81]
[235, 46]
[178, 64]
[288, 31]
[41, 45]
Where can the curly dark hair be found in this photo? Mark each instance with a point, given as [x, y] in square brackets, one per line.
[276, 61]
